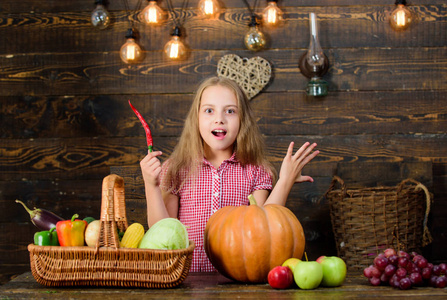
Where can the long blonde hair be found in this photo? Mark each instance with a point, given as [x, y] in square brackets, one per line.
[189, 151]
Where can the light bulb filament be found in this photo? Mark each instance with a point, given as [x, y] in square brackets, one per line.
[272, 16]
[208, 7]
[130, 54]
[400, 18]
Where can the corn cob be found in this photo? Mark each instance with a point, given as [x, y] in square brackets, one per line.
[133, 235]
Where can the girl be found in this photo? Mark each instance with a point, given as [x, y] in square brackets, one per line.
[218, 161]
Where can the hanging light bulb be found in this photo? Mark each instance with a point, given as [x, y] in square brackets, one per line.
[401, 17]
[131, 52]
[100, 16]
[272, 14]
[254, 39]
[314, 63]
[209, 8]
[175, 49]
[152, 14]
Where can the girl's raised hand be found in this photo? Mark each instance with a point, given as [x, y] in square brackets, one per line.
[151, 168]
[293, 164]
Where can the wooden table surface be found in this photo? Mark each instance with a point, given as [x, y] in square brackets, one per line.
[215, 286]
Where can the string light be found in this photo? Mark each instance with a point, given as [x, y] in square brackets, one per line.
[130, 52]
[254, 39]
[175, 49]
[152, 14]
[100, 16]
[272, 15]
[209, 8]
[401, 18]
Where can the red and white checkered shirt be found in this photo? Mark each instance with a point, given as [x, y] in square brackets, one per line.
[213, 188]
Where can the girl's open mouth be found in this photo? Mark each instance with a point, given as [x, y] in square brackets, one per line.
[219, 132]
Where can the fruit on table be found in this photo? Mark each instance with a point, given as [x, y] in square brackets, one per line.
[404, 270]
[245, 242]
[92, 233]
[132, 236]
[71, 232]
[334, 270]
[42, 218]
[46, 238]
[308, 275]
[291, 263]
[280, 277]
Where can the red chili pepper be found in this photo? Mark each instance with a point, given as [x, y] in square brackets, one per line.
[146, 127]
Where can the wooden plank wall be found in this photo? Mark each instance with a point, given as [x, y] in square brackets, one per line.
[65, 120]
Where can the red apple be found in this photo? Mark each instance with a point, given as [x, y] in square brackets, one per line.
[280, 277]
[320, 259]
[334, 271]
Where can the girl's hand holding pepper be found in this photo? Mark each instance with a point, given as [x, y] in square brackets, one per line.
[151, 168]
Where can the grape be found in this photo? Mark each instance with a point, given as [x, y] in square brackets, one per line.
[374, 281]
[401, 272]
[389, 252]
[393, 259]
[441, 282]
[401, 253]
[367, 272]
[384, 278]
[389, 270]
[422, 262]
[375, 272]
[430, 266]
[436, 270]
[403, 261]
[433, 280]
[426, 273]
[443, 268]
[381, 262]
[405, 283]
[416, 278]
[394, 281]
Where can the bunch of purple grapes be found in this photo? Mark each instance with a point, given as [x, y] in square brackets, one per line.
[404, 270]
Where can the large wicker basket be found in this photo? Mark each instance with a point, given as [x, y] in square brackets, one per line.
[107, 264]
[366, 221]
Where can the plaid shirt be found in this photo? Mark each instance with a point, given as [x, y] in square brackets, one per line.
[213, 188]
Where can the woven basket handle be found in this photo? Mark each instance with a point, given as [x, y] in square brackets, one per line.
[113, 212]
[426, 237]
[337, 180]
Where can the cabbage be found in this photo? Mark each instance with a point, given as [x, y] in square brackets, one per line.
[168, 234]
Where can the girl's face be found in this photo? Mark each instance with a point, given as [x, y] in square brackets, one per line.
[219, 119]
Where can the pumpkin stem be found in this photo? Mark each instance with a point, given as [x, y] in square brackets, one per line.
[252, 199]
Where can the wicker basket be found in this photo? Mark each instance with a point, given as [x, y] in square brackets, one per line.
[107, 264]
[366, 221]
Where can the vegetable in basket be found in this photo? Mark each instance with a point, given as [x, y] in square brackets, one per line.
[46, 238]
[167, 234]
[42, 218]
[71, 232]
[133, 236]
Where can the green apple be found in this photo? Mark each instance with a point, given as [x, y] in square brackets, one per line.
[308, 275]
[291, 263]
[334, 271]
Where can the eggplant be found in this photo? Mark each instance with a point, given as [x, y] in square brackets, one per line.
[42, 218]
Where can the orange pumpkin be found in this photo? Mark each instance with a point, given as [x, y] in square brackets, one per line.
[245, 242]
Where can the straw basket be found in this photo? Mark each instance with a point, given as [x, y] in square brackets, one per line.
[366, 221]
[107, 264]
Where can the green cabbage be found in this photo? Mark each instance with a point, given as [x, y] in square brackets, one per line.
[168, 234]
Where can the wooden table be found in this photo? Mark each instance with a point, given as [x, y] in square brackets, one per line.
[215, 286]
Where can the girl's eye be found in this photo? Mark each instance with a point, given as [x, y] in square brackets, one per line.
[231, 111]
[208, 110]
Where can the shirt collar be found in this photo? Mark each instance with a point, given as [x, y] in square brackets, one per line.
[232, 159]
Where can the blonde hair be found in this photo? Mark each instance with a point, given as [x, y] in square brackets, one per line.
[189, 151]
